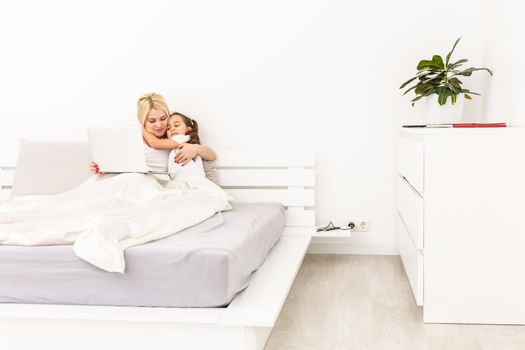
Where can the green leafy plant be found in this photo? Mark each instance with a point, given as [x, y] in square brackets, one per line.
[441, 78]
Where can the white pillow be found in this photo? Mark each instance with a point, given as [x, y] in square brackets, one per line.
[45, 167]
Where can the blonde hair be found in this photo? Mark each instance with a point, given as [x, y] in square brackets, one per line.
[148, 102]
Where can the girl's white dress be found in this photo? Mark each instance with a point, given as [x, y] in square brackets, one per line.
[193, 168]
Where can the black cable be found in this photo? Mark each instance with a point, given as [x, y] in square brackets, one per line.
[331, 227]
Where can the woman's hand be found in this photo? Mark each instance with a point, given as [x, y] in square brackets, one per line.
[93, 167]
[187, 152]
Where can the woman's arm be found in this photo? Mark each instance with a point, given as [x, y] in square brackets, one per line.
[188, 151]
[154, 142]
[207, 153]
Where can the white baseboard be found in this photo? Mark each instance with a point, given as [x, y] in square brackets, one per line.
[351, 248]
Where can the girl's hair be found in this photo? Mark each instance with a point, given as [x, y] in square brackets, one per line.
[190, 123]
[148, 102]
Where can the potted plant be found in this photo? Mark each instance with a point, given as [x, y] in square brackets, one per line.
[438, 80]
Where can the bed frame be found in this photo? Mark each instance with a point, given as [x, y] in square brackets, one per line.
[255, 176]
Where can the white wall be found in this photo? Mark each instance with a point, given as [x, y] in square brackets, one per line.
[504, 50]
[312, 74]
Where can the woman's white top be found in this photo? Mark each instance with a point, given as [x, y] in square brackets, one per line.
[156, 159]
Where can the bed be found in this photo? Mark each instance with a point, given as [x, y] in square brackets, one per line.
[202, 266]
[246, 319]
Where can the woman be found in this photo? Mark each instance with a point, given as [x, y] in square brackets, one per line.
[153, 115]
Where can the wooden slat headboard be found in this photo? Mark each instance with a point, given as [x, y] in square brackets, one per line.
[281, 176]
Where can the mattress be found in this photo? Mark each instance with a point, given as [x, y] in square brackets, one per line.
[203, 266]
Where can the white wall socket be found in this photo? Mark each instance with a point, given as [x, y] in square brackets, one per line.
[362, 225]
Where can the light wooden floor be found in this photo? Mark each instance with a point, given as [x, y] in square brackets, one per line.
[364, 302]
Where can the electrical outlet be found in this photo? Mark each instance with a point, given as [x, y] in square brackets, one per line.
[362, 225]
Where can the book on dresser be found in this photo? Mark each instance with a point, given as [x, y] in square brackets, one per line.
[458, 125]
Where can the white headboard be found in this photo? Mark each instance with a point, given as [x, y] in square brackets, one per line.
[281, 176]
[271, 176]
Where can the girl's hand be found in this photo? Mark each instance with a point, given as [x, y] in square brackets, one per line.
[93, 167]
[187, 152]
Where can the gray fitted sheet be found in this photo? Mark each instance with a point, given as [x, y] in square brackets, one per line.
[203, 266]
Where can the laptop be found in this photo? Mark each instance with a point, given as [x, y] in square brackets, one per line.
[120, 150]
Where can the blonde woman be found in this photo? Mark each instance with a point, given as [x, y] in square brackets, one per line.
[153, 115]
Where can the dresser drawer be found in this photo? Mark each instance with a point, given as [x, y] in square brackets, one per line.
[411, 208]
[412, 260]
[410, 163]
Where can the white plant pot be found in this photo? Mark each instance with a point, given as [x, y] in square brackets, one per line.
[447, 113]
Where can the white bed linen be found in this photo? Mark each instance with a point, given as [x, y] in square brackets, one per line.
[108, 214]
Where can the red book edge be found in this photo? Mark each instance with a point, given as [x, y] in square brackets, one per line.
[480, 125]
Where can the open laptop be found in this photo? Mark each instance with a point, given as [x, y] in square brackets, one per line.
[120, 150]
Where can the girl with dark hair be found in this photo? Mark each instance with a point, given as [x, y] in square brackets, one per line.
[187, 151]
[192, 128]
[183, 129]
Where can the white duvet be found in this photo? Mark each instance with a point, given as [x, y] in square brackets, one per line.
[108, 214]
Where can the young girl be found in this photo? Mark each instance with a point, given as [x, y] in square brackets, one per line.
[183, 129]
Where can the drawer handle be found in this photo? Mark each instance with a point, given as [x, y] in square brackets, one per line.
[410, 185]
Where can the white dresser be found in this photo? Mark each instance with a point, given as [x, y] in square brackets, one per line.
[461, 222]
